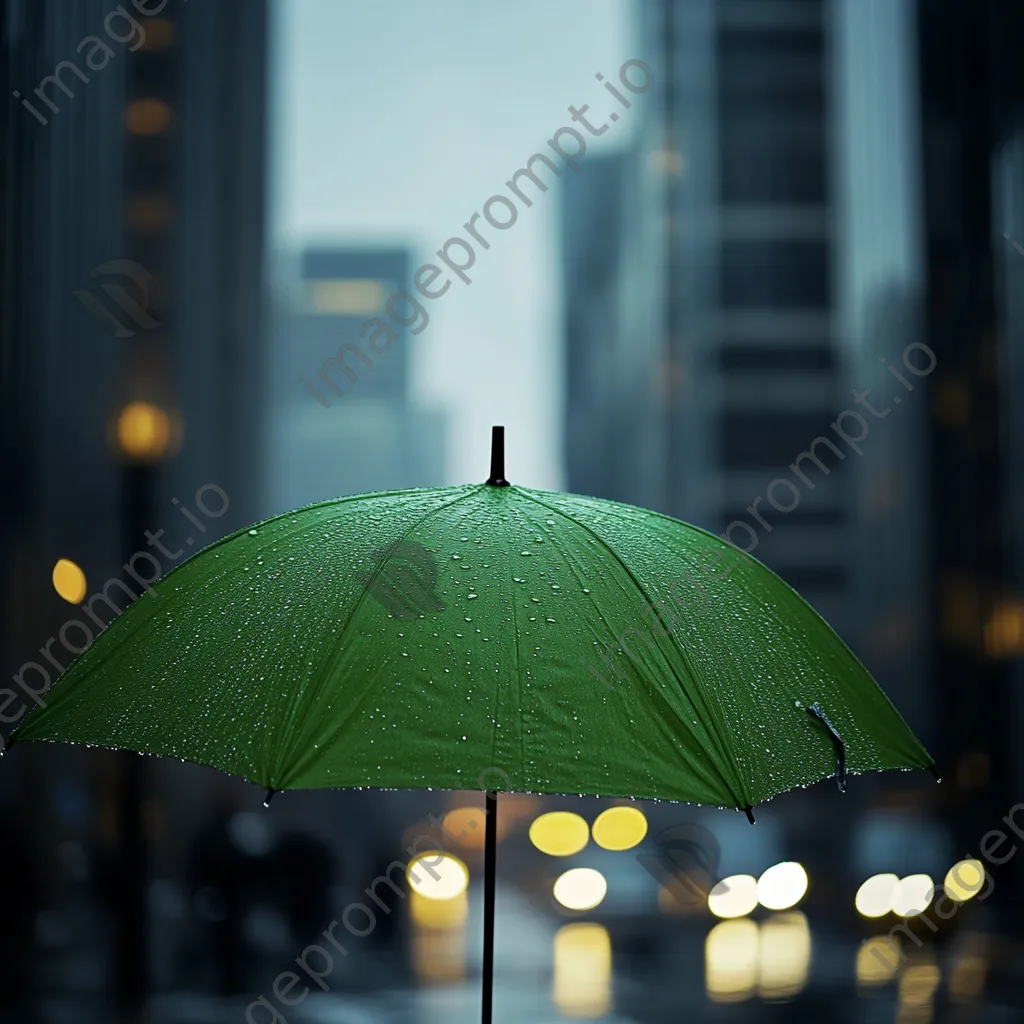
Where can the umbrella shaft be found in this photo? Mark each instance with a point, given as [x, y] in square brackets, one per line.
[490, 871]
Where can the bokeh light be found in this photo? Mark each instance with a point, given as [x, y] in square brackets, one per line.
[620, 828]
[912, 895]
[878, 960]
[143, 431]
[583, 970]
[69, 581]
[969, 971]
[467, 826]
[438, 914]
[782, 886]
[917, 986]
[734, 896]
[559, 833]
[964, 880]
[437, 875]
[784, 956]
[149, 116]
[580, 888]
[874, 897]
[730, 961]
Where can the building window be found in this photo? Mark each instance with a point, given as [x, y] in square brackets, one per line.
[802, 516]
[147, 117]
[764, 358]
[775, 273]
[771, 116]
[751, 440]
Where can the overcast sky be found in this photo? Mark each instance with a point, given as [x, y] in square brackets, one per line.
[394, 122]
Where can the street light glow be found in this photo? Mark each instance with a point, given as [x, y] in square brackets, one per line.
[964, 880]
[437, 875]
[580, 888]
[735, 896]
[912, 895]
[620, 828]
[559, 833]
[874, 897]
[69, 581]
[782, 886]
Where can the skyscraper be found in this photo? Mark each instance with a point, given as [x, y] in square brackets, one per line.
[705, 363]
[344, 419]
[133, 199]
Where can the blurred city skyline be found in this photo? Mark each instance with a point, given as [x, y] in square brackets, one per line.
[813, 193]
[500, 82]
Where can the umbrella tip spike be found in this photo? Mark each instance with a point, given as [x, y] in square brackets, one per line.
[269, 797]
[750, 814]
[497, 477]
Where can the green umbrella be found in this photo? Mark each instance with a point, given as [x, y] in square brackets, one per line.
[426, 638]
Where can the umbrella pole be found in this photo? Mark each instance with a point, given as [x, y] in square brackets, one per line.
[490, 872]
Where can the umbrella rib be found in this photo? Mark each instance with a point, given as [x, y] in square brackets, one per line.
[519, 693]
[317, 683]
[714, 735]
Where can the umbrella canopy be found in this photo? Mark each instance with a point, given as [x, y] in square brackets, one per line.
[423, 638]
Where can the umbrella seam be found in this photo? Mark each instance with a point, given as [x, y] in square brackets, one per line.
[519, 685]
[607, 506]
[712, 706]
[329, 659]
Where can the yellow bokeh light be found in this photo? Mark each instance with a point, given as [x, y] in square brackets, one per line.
[436, 914]
[964, 880]
[583, 970]
[878, 960]
[735, 896]
[874, 897]
[967, 978]
[69, 581]
[912, 895]
[143, 431]
[620, 828]
[159, 34]
[784, 956]
[559, 833]
[148, 116]
[437, 875]
[580, 888]
[467, 826]
[782, 886]
[917, 985]
[730, 961]
[439, 955]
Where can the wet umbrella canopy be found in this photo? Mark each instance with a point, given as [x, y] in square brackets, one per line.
[420, 638]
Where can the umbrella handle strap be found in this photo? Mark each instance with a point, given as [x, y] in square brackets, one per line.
[815, 710]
